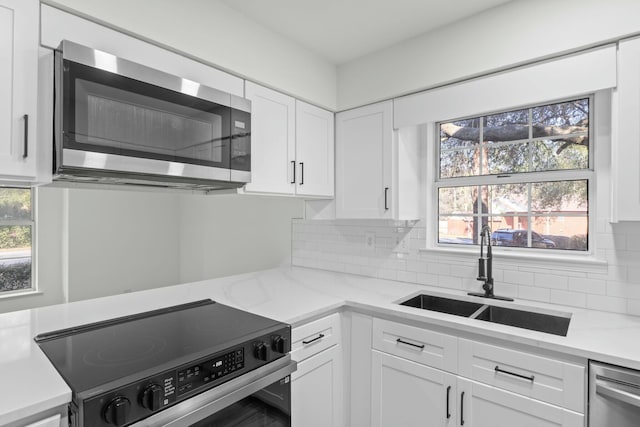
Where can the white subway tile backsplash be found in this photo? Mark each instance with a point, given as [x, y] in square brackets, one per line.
[385, 273]
[427, 279]
[633, 274]
[623, 290]
[573, 299]
[604, 303]
[553, 281]
[633, 307]
[407, 276]
[519, 277]
[534, 294]
[447, 281]
[588, 286]
[438, 268]
[339, 245]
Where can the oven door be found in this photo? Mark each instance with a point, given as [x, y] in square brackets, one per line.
[259, 398]
[118, 108]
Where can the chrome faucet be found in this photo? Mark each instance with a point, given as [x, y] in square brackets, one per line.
[485, 268]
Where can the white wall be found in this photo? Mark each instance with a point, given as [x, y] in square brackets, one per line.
[231, 234]
[120, 241]
[217, 34]
[512, 34]
[98, 242]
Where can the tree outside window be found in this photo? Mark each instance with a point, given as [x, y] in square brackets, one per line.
[525, 173]
[16, 239]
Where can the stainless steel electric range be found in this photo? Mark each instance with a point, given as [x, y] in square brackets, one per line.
[196, 364]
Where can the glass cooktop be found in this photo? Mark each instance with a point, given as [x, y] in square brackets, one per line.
[92, 355]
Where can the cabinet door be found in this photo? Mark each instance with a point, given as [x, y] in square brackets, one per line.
[364, 144]
[485, 406]
[405, 393]
[317, 392]
[272, 140]
[314, 151]
[625, 159]
[18, 88]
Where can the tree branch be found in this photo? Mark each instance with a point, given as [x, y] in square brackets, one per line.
[514, 132]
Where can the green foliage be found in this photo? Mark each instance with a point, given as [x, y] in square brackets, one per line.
[15, 277]
[15, 203]
[13, 237]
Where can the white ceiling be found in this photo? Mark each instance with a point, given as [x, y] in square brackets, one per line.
[342, 30]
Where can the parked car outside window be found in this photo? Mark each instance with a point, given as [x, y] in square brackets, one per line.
[508, 237]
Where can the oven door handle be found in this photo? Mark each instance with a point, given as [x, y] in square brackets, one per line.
[205, 404]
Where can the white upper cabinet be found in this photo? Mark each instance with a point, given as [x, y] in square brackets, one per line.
[18, 90]
[364, 139]
[273, 148]
[292, 145]
[314, 151]
[626, 135]
[377, 169]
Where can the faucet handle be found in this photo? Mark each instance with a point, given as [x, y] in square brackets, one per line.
[482, 275]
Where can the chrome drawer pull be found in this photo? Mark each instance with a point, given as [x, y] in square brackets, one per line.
[410, 343]
[524, 377]
[319, 337]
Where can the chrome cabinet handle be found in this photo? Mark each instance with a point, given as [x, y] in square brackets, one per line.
[448, 412]
[513, 374]
[293, 164]
[25, 152]
[401, 341]
[319, 337]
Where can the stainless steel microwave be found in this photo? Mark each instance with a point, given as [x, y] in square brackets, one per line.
[121, 122]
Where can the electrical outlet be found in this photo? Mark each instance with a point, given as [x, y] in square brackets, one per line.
[370, 241]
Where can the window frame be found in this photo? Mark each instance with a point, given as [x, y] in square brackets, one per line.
[31, 222]
[589, 174]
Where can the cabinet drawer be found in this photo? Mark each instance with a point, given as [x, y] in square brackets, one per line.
[420, 345]
[542, 378]
[312, 338]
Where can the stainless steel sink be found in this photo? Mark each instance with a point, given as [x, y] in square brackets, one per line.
[541, 322]
[443, 305]
[557, 324]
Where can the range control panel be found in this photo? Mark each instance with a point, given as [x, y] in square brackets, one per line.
[197, 375]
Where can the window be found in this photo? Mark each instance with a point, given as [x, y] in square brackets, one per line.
[525, 173]
[16, 239]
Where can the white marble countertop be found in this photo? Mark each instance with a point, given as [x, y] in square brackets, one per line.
[289, 294]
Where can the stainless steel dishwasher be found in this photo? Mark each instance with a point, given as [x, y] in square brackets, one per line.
[614, 396]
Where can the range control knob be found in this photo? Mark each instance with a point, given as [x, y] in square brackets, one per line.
[261, 351]
[117, 411]
[151, 397]
[279, 344]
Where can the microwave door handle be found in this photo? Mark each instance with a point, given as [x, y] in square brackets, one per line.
[617, 394]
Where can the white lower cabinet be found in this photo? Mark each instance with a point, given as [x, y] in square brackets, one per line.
[317, 386]
[415, 383]
[405, 393]
[484, 406]
[316, 390]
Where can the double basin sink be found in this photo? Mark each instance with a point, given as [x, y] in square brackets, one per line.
[541, 322]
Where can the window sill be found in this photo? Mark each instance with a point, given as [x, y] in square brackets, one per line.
[18, 294]
[585, 262]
